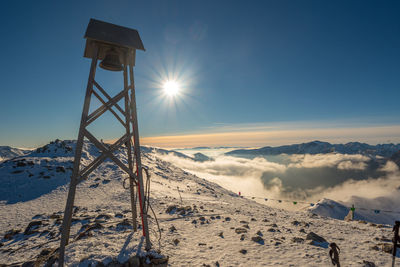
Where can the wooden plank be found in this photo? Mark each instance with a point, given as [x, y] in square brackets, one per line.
[107, 151]
[129, 150]
[138, 160]
[108, 97]
[99, 111]
[65, 230]
[109, 108]
[95, 163]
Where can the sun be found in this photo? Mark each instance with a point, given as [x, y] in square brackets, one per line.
[171, 88]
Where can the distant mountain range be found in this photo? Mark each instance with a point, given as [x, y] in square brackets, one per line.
[318, 147]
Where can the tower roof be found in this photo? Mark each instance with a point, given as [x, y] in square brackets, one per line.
[109, 33]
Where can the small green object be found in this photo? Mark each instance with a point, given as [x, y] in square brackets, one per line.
[352, 209]
[295, 202]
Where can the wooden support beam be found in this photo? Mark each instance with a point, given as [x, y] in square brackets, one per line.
[139, 173]
[108, 97]
[65, 230]
[98, 112]
[109, 108]
[129, 149]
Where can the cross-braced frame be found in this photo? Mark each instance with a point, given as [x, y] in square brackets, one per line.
[128, 119]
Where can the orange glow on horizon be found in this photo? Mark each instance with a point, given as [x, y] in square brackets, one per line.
[371, 135]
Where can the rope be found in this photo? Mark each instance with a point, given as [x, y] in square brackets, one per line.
[147, 204]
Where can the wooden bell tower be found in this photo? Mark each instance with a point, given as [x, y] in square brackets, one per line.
[116, 47]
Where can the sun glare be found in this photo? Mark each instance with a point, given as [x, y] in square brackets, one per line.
[171, 88]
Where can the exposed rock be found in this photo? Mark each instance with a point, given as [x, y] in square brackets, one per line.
[172, 229]
[102, 218]
[11, 233]
[124, 224]
[32, 226]
[227, 219]
[313, 236]
[259, 233]
[242, 237]
[258, 239]
[26, 264]
[221, 234]
[386, 247]
[317, 240]
[119, 215]
[297, 240]
[368, 264]
[243, 251]
[176, 241]
[60, 169]
[240, 230]
[171, 209]
[55, 216]
[271, 230]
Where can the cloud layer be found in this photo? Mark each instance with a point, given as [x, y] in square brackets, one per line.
[345, 178]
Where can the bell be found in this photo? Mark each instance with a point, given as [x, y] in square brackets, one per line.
[111, 61]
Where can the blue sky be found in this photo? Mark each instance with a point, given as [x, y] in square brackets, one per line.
[328, 64]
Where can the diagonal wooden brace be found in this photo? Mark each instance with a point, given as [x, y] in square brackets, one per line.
[98, 112]
[109, 108]
[108, 152]
[108, 97]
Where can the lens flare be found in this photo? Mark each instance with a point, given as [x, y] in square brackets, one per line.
[171, 88]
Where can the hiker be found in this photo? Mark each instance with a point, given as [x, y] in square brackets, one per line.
[396, 240]
[334, 254]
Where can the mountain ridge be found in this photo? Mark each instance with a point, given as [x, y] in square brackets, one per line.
[320, 147]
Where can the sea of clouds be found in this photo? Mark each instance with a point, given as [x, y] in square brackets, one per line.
[349, 179]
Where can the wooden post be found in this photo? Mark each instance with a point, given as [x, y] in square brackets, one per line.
[138, 161]
[65, 230]
[129, 149]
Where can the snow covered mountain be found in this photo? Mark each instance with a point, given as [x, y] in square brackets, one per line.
[196, 157]
[7, 152]
[318, 147]
[201, 223]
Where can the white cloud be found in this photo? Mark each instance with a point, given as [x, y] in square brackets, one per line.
[319, 176]
[390, 167]
[343, 161]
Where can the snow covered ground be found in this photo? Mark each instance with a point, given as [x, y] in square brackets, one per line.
[209, 225]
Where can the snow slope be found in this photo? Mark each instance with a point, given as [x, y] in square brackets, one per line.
[7, 152]
[209, 225]
[336, 210]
